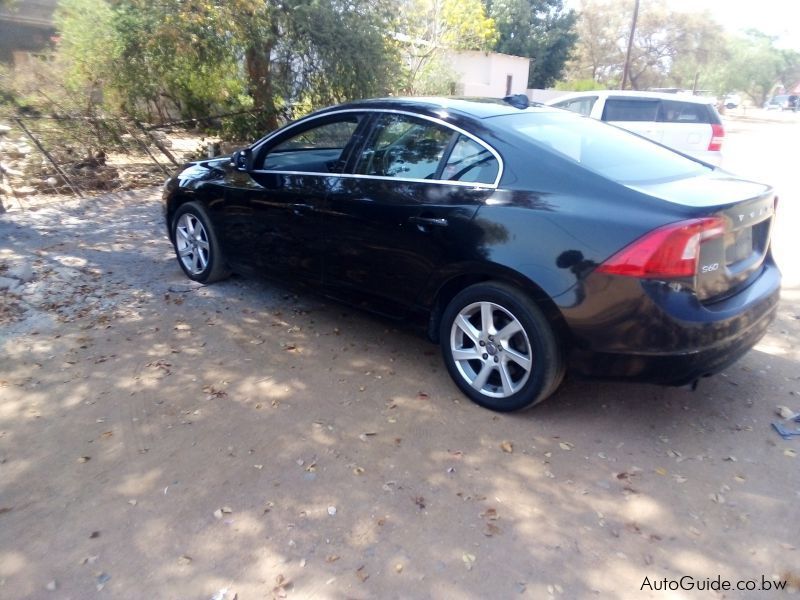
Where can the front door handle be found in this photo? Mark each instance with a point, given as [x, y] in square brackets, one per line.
[300, 209]
[428, 221]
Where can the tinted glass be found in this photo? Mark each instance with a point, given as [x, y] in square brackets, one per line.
[469, 161]
[609, 151]
[673, 111]
[624, 109]
[402, 146]
[316, 149]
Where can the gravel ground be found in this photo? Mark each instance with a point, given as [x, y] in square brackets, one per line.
[160, 439]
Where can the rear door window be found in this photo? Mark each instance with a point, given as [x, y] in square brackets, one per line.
[582, 106]
[404, 147]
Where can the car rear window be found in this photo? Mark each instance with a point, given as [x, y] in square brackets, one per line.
[630, 109]
[605, 149]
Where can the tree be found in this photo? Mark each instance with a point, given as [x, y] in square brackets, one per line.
[197, 57]
[670, 48]
[539, 29]
[755, 66]
[429, 28]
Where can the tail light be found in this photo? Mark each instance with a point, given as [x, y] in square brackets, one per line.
[667, 252]
[717, 137]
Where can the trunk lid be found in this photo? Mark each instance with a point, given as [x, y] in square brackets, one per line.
[729, 262]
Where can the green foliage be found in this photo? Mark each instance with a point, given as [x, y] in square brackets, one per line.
[580, 85]
[755, 67]
[675, 49]
[539, 29]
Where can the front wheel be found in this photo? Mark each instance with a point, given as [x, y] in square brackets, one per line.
[196, 245]
[499, 347]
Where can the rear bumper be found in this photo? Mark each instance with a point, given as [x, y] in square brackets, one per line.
[667, 337]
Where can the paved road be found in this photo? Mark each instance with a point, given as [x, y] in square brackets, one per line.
[161, 440]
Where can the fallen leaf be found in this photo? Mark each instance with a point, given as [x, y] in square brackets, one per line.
[361, 574]
[331, 558]
[94, 535]
[679, 478]
[83, 459]
[790, 453]
[718, 498]
[358, 470]
[490, 513]
[422, 396]
[507, 447]
[419, 501]
[469, 560]
[398, 568]
[784, 412]
[661, 471]
[565, 445]
[184, 560]
[491, 530]
[332, 510]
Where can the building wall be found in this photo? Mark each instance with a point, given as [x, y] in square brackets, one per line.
[489, 74]
[26, 26]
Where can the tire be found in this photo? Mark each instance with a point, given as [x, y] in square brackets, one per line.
[500, 371]
[196, 244]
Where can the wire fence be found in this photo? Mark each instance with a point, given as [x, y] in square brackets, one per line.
[56, 155]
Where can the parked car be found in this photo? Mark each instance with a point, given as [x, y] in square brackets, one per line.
[732, 101]
[688, 124]
[523, 240]
[783, 102]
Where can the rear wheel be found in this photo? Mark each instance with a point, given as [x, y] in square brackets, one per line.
[499, 347]
[196, 244]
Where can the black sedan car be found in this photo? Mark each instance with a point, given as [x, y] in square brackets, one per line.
[525, 240]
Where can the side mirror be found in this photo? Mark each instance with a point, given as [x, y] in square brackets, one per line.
[242, 159]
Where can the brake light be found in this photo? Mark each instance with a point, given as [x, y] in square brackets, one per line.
[717, 137]
[666, 252]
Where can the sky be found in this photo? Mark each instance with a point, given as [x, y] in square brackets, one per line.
[780, 18]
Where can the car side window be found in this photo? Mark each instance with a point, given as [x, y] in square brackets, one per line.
[471, 162]
[628, 109]
[315, 149]
[582, 106]
[402, 146]
[682, 112]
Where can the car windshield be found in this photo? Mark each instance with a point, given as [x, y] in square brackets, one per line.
[607, 150]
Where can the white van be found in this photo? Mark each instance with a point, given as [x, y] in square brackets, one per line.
[689, 124]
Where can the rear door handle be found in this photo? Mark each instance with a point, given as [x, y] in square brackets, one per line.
[428, 221]
[300, 209]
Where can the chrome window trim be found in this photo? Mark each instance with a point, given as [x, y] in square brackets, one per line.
[500, 164]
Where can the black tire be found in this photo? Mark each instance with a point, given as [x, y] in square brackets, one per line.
[196, 244]
[496, 376]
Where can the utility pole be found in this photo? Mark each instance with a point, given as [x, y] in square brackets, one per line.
[630, 45]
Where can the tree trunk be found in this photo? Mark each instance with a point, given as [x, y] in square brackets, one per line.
[259, 73]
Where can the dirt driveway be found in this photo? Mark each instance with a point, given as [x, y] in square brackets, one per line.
[162, 440]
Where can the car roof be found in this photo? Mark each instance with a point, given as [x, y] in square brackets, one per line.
[634, 94]
[479, 108]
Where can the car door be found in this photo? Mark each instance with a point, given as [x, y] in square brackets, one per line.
[406, 210]
[273, 219]
[634, 114]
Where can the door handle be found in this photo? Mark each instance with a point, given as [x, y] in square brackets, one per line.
[300, 209]
[428, 221]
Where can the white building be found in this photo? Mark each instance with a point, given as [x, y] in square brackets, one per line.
[489, 74]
